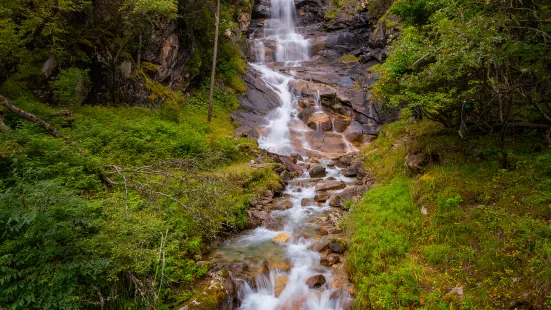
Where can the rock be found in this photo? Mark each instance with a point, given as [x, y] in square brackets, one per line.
[322, 197]
[281, 238]
[287, 204]
[345, 160]
[278, 264]
[329, 259]
[455, 293]
[290, 164]
[330, 185]
[280, 283]
[317, 171]
[354, 169]
[316, 281]
[126, 68]
[49, 67]
[337, 246]
[268, 193]
[424, 211]
[308, 202]
[415, 163]
[256, 218]
[323, 230]
[353, 193]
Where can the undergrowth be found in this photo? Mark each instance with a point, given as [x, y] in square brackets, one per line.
[482, 229]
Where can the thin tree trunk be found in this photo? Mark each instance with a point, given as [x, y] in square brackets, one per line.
[31, 117]
[139, 57]
[215, 54]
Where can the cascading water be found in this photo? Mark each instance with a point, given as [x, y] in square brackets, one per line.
[264, 292]
[292, 48]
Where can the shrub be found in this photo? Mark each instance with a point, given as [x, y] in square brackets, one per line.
[71, 87]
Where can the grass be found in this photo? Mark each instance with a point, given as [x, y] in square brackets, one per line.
[102, 237]
[487, 229]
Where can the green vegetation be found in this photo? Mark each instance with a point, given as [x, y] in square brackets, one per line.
[486, 228]
[348, 59]
[472, 66]
[118, 220]
[66, 223]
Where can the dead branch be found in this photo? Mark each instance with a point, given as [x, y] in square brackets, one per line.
[32, 118]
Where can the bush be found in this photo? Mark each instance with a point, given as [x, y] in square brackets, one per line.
[71, 87]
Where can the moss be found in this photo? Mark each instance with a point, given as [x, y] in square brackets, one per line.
[149, 68]
[348, 59]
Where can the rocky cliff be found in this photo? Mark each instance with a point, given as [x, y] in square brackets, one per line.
[344, 44]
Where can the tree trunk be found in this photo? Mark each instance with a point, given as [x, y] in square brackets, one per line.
[139, 57]
[31, 117]
[215, 54]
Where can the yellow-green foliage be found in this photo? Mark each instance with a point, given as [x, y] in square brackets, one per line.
[486, 228]
[348, 59]
[149, 68]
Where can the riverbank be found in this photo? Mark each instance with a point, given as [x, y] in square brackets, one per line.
[444, 226]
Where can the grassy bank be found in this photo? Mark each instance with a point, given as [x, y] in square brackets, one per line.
[75, 232]
[464, 234]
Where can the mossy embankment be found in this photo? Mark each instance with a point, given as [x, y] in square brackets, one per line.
[462, 234]
[120, 220]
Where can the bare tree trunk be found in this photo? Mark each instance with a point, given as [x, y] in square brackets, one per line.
[31, 117]
[215, 54]
[139, 57]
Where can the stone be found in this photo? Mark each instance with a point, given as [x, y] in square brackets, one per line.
[322, 197]
[290, 164]
[281, 238]
[424, 211]
[49, 67]
[455, 293]
[337, 246]
[126, 68]
[329, 259]
[280, 283]
[317, 171]
[287, 204]
[415, 163]
[354, 169]
[268, 193]
[323, 230]
[278, 264]
[330, 185]
[316, 281]
[306, 202]
[353, 193]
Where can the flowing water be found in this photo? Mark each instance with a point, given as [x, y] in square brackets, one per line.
[287, 283]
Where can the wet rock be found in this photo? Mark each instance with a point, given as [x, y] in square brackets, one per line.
[317, 171]
[353, 193]
[280, 283]
[268, 193]
[337, 246]
[290, 164]
[274, 223]
[329, 259]
[415, 163]
[278, 264]
[330, 185]
[323, 230]
[307, 202]
[316, 281]
[345, 160]
[256, 218]
[281, 238]
[287, 204]
[354, 169]
[319, 245]
[322, 197]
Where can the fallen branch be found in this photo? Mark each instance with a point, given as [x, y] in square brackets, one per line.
[32, 118]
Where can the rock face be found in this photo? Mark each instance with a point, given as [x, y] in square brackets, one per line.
[340, 83]
[317, 171]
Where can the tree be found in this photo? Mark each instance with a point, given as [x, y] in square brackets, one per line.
[215, 53]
